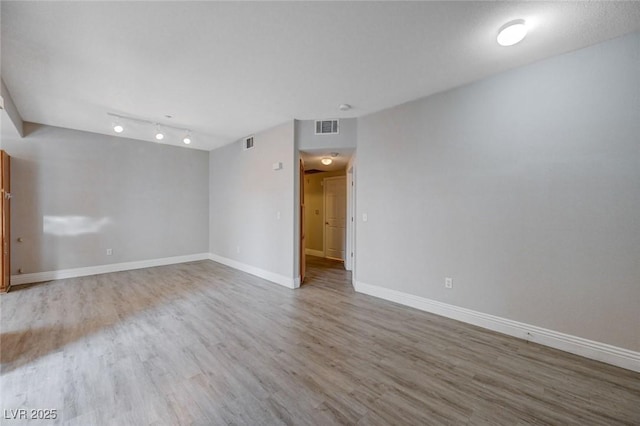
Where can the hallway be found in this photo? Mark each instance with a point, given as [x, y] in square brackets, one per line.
[327, 273]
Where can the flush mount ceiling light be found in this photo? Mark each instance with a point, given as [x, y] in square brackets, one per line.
[344, 107]
[159, 135]
[326, 161]
[512, 33]
[187, 139]
[118, 128]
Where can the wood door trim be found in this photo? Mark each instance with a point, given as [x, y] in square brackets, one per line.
[301, 211]
[5, 222]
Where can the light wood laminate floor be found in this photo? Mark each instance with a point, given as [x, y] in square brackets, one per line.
[201, 343]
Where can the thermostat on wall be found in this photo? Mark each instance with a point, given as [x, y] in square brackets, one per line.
[277, 166]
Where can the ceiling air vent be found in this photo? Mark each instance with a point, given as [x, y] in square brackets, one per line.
[248, 143]
[327, 127]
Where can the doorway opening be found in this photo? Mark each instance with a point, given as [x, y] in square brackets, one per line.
[326, 218]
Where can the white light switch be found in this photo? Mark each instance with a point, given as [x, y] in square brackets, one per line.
[365, 217]
[277, 166]
[109, 252]
[278, 215]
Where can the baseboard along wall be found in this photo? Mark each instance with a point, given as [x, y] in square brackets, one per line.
[127, 266]
[38, 277]
[312, 252]
[598, 351]
[258, 272]
[603, 352]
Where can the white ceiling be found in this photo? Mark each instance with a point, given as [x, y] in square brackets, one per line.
[228, 69]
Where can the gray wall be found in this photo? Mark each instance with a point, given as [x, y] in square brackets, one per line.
[307, 140]
[75, 194]
[14, 118]
[524, 188]
[246, 195]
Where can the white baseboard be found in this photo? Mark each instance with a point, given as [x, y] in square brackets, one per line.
[103, 269]
[258, 272]
[312, 252]
[603, 352]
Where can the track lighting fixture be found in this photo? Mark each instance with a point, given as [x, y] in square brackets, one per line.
[159, 132]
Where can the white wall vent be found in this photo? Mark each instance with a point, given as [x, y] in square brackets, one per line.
[327, 127]
[247, 143]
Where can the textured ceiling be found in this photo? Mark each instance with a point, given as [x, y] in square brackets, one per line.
[228, 69]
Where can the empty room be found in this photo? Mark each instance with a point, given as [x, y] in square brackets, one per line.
[318, 213]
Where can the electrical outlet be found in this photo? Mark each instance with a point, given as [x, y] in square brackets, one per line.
[109, 252]
[448, 282]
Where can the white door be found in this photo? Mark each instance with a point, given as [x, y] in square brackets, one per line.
[335, 213]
